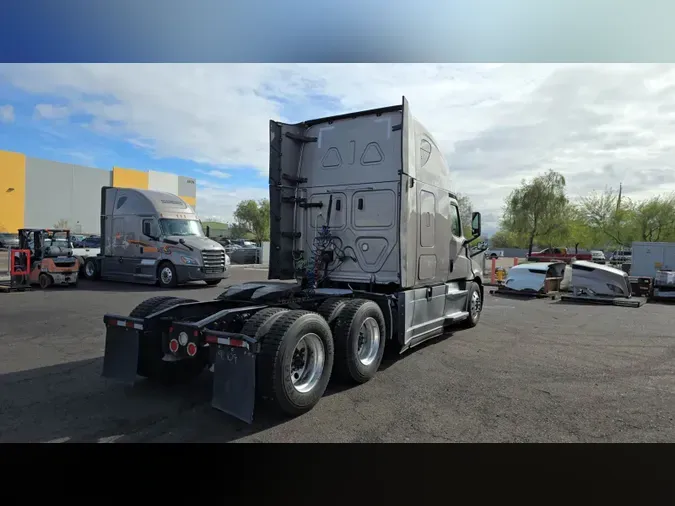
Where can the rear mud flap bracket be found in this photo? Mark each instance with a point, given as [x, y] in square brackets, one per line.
[120, 360]
[234, 382]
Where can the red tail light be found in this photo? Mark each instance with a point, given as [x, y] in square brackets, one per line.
[191, 349]
[173, 345]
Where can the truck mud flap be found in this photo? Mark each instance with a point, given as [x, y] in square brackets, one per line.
[234, 372]
[120, 359]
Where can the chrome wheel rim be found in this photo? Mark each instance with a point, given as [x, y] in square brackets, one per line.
[166, 275]
[307, 363]
[368, 342]
[89, 269]
[475, 305]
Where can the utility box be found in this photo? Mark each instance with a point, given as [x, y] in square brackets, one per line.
[650, 257]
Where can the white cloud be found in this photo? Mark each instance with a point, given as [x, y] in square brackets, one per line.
[49, 111]
[597, 124]
[6, 113]
[218, 174]
[218, 202]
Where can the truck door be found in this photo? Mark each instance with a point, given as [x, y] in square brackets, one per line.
[147, 251]
[457, 268]
[459, 264]
[115, 265]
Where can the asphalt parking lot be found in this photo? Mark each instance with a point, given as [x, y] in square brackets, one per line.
[532, 370]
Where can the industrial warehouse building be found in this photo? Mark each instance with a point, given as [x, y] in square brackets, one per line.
[36, 193]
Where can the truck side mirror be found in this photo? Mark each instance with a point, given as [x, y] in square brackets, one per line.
[475, 225]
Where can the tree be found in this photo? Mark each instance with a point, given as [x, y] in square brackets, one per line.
[254, 217]
[607, 215]
[62, 223]
[654, 219]
[465, 211]
[504, 239]
[536, 209]
[237, 231]
[576, 231]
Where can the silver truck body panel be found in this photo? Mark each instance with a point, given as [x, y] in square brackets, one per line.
[392, 210]
[589, 278]
[532, 276]
[129, 255]
[392, 204]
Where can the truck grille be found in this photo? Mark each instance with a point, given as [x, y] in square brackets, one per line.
[214, 260]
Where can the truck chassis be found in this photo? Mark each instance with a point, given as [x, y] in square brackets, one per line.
[270, 341]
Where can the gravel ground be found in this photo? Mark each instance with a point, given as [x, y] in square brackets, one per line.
[531, 371]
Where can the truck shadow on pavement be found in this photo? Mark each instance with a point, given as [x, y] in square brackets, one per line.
[391, 358]
[73, 403]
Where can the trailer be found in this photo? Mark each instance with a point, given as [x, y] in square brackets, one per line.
[653, 266]
[367, 252]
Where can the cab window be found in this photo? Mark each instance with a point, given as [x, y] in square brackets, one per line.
[455, 221]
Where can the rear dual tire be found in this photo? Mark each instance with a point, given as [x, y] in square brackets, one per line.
[295, 361]
[360, 334]
[299, 351]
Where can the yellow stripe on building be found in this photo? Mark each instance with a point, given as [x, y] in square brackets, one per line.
[191, 201]
[130, 178]
[12, 190]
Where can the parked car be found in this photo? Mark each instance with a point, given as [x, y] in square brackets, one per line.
[558, 255]
[9, 240]
[621, 256]
[494, 254]
[93, 241]
[598, 257]
[245, 255]
[243, 243]
[77, 239]
[229, 248]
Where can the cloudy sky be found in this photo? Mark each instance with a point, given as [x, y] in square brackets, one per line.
[597, 124]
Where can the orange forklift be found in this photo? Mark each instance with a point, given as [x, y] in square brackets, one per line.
[51, 257]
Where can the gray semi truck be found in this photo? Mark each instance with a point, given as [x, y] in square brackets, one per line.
[367, 253]
[153, 237]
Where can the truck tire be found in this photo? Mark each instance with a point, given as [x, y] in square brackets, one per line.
[166, 275]
[260, 323]
[148, 306]
[150, 352]
[295, 362]
[330, 309]
[91, 269]
[474, 304]
[360, 334]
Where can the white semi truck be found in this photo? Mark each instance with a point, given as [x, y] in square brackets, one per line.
[367, 252]
[153, 237]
